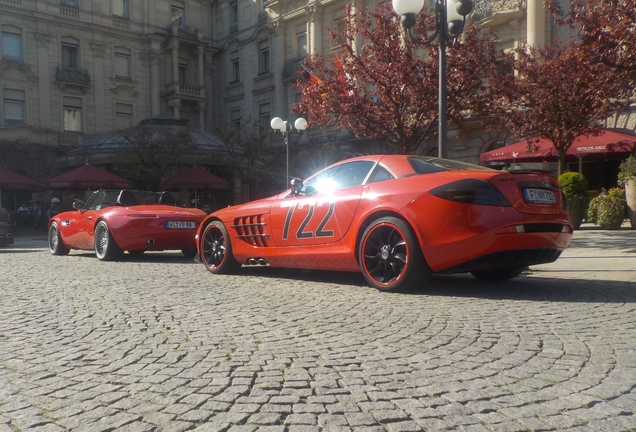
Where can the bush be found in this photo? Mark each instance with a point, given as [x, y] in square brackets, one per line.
[607, 211]
[573, 184]
[627, 170]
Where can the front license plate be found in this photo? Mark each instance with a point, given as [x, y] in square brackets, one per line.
[180, 225]
[539, 196]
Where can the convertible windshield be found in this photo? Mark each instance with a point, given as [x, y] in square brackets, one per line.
[127, 198]
[428, 165]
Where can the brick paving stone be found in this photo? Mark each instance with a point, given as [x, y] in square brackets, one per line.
[164, 345]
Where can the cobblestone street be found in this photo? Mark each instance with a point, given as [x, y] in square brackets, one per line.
[158, 343]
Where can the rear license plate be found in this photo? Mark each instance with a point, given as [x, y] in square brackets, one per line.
[180, 225]
[539, 196]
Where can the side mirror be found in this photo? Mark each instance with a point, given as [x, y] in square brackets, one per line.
[296, 185]
[78, 205]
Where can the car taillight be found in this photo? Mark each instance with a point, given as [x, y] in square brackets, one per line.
[471, 191]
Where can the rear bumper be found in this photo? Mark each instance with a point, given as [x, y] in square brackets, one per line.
[494, 249]
[506, 259]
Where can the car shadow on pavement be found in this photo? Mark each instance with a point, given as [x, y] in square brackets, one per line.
[521, 288]
[148, 257]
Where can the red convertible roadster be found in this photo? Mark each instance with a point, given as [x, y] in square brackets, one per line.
[114, 221]
[398, 219]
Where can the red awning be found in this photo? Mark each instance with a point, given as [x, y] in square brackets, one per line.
[194, 178]
[88, 176]
[13, 181]
[608, 145]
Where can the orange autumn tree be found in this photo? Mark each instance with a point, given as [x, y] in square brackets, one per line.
[607, 34]
[550, 93]
[385, 90]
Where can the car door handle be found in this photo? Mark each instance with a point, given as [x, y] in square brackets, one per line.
[89, 217]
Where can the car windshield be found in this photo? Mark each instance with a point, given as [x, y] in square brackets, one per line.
[338, 177]
[428, 165]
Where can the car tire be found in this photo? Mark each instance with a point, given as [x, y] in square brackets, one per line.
[216, 249]
[106, 249]
[498, 274]
[189, 253]
[56, 246]
[390, 256]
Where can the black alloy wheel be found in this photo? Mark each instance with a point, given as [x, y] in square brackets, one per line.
[390, 256]
[216, 249]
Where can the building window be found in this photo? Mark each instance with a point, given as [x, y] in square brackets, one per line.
[263, 58]
[301, 40]
[265, 115]
[177, 13]
[121, 9]
[70, 55]
[14, 107]
[70, 3]
[235, 119]
[123, 116]
[72, 114]
[183, 73]
[234, 17]
[122, 63]
[235, 68]
[234, 12]
[11, 46]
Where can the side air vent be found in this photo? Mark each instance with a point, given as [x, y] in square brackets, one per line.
[251, 229]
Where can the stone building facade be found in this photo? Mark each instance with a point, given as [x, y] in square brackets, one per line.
[71, 70]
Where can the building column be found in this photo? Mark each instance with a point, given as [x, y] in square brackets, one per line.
[279, 109]
[173, 46]
[202, 115]
[200, 59]
[44, 82]
[315, 29]
[98, 86]
[155, 86]
[536, 23]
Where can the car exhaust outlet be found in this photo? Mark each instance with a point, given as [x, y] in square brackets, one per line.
[150, 241]
[262, 262]
[252, 261]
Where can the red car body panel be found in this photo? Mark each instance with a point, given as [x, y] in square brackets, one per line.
[322, 231]
[134, 228]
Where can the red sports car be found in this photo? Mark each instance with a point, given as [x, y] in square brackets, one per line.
[113, 221]
[398, 219]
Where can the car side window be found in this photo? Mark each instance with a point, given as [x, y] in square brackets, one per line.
[379, 173]
[339, 177]
[95, 200]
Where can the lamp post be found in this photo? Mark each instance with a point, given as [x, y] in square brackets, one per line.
[450, 17]
[285, 127]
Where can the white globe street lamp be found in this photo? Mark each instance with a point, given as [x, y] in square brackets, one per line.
[285, 127]
[450, 18]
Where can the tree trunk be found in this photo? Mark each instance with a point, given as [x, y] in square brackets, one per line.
[561, 159]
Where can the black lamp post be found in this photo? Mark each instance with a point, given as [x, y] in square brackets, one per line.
[285, 127]
[450, 17]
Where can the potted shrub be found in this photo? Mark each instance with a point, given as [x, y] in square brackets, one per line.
[608, 211]
[627, 179]
[574, 185]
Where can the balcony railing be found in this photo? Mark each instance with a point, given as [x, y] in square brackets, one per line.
[72, 76]
[487, 8]
[185, 91]
[69, 12]
[185, 32]
[292, 68]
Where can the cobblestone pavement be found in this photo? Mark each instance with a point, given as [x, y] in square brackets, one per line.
[158, 343]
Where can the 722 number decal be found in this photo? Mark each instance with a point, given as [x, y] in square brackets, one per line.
[300, 232]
